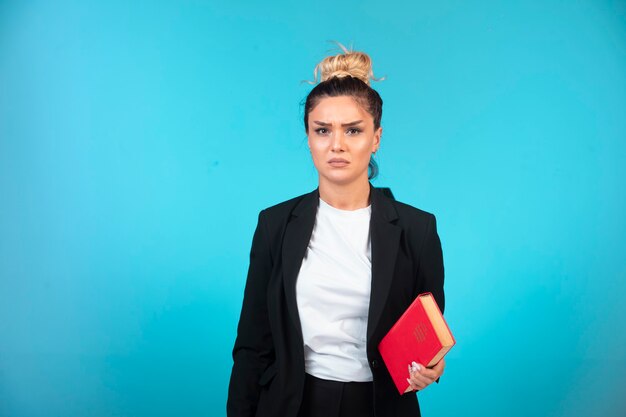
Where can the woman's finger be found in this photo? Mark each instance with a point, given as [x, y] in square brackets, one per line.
[415, 383]
[420, 379]
[426, 372]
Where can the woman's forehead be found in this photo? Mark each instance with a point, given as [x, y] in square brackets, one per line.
[339, 110]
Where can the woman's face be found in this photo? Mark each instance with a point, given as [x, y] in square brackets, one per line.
[341, 138]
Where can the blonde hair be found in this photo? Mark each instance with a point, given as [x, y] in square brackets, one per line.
[349, 63]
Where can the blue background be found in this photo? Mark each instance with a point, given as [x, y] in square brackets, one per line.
[139, 141]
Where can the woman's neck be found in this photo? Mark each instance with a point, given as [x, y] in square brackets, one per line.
[346, 196]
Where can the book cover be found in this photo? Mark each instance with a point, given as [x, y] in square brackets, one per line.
[421, 334]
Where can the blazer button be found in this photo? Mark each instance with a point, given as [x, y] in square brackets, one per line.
[374, 363]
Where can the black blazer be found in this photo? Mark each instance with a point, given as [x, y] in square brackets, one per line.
[267, 377]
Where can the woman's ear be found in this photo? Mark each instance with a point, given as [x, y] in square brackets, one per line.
[377, 136]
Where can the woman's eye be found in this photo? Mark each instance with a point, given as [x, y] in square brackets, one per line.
[324, 131]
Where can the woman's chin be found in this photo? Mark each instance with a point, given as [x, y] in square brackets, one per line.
[339, 178]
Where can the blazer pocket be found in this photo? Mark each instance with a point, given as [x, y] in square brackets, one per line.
[268, 374]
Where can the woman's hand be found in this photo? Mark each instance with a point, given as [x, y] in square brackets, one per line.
[420, 377]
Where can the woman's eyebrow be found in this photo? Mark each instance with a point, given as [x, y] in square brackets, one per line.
[356, 122]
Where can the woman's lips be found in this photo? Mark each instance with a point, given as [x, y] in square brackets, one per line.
[336, 162]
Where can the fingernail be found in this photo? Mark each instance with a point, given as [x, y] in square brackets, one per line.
[408, 380]
[416, 366]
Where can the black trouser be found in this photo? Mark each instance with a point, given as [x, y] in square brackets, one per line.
[325, 398]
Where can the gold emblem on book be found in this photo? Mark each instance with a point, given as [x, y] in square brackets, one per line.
[420, 332]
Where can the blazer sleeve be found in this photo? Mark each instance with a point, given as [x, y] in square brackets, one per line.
[253, 350]
[431, 270]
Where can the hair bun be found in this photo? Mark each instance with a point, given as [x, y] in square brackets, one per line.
[349, 63]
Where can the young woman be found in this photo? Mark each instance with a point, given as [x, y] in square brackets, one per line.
[332, 270]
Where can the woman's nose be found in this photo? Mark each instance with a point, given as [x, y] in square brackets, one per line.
[338, 141]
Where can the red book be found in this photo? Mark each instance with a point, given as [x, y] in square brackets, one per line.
[421, 334]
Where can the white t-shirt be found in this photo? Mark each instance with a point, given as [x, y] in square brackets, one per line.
[333, 293]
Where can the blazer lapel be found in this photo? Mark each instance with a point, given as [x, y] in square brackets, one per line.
[385, 238]
[295, 242]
